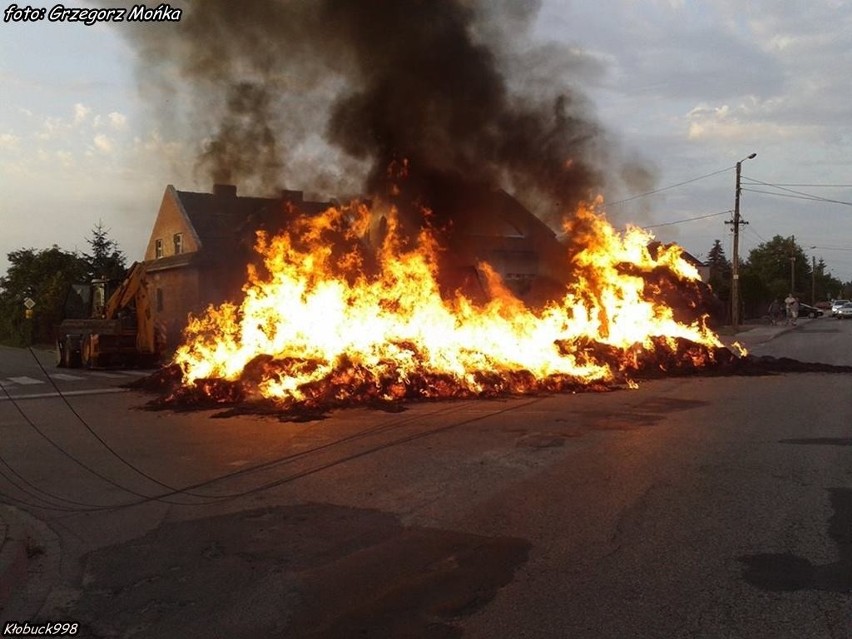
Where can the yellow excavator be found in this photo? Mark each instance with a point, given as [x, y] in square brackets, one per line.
[107, 324]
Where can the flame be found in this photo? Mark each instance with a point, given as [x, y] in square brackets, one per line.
[322, 317]
[738, 349]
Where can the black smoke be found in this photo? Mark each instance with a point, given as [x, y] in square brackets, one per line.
[331, 93]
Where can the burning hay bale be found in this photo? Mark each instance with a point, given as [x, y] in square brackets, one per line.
[351, 385]
[316, 328]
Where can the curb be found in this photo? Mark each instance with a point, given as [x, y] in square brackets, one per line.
[14, 561]
[784, 331]
[744, 336]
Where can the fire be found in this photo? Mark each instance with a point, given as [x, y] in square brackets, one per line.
[325, 319]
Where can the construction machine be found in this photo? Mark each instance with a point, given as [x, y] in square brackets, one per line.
[108, 323]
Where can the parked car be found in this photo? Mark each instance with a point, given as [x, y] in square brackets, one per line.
[845, 311]
[835, 304]
[809, 311]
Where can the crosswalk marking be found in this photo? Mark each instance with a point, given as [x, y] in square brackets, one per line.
[25, 381]
[91, 391]
[82, 376]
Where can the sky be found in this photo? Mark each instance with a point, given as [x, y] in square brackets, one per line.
[687, 88]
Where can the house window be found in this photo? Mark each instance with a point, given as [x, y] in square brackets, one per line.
[159, 299]
[178, 243]
[158, 248]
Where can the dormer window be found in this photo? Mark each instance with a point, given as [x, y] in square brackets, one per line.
[158, 249]
[178, 238]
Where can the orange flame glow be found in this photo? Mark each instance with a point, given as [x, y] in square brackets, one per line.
[320, 312]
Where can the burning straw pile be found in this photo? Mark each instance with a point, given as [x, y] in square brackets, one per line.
[328, 321]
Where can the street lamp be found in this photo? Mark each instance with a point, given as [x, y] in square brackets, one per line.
[735, 271]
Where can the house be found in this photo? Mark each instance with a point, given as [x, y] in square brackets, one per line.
[201, 244]
[485, 225]
[702, 267]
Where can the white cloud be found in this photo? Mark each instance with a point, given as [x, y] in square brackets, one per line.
[9, 141]
[117, 121]
[103, 143]
[81, 112]
[753, 119]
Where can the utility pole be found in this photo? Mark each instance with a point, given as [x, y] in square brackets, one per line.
[735, 271]
[813, 280]
[792, 264]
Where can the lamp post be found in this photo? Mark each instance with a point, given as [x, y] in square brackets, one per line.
[735, 270]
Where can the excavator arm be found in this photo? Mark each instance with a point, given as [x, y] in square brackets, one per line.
[125, 294]
[133, 294]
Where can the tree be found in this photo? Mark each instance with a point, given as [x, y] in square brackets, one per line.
[720, 271]
[106, 260]
[780, 266]
[44, 276]
[825, 285]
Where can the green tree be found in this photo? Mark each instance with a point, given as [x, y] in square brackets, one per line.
[44, 276]
[720, 271]
[825, 285]
[106, 259]
[774, 269]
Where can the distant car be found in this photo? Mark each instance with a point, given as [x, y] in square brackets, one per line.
[809, 311]
[835, 304]
[844, 312]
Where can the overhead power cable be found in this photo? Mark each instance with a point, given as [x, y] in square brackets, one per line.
[755, 233]
[688, 219]
[826, 186]
[40, 493]
[85, 466]
[792, 193]
[808, 198]
[666, 188]
[100, 440]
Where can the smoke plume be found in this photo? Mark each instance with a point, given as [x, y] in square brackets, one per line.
[328, 94]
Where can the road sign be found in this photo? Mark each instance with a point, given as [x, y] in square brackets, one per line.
[29, 303]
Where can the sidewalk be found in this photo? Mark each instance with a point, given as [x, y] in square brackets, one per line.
[13, 554]
[752, 335]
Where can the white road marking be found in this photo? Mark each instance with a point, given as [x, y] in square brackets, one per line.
[25, 381]
[93, 391]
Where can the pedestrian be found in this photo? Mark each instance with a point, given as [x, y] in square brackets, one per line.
[792, 306]
[774, 312]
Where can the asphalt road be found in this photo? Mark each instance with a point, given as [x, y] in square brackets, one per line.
[691, 507]
[32, 374]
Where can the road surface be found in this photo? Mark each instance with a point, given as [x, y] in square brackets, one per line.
[32, 374]
[691, 507]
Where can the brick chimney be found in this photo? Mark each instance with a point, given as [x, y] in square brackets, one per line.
[225, 190]
[296, 197]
